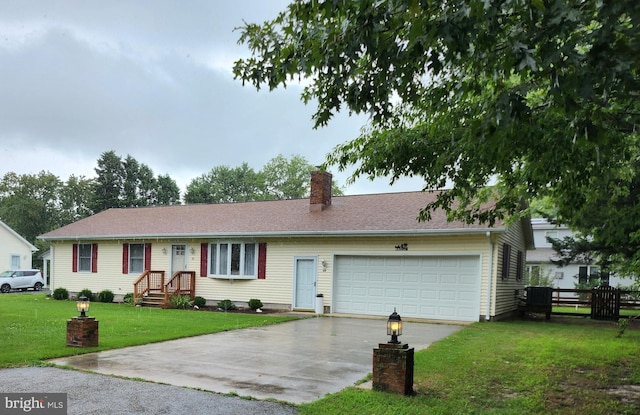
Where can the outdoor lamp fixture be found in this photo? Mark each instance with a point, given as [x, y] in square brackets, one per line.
[394, 327]
[83, 305]
[164, 251]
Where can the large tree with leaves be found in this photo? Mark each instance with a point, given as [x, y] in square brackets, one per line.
[289, 178]
[74, 198]
[224, 184]
[128, 183]
[109, 183]
[541, 95]
[280, 178]
[29, 203]
[286, 179]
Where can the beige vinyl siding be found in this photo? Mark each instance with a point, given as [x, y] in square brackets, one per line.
[281, 254]
[278, 286]
[109, 274]
[504, 291]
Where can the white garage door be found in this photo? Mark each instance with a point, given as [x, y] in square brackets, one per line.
[438, 287]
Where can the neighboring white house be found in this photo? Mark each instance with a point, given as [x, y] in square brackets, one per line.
[539, 259]
[15, 251]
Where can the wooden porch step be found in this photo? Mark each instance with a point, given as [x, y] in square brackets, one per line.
[153, 300]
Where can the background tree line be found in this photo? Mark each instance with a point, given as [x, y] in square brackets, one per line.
[33, 204]
[280, 178]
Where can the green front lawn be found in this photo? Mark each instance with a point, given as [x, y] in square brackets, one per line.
[516, 367]
[33, 326]
[568, 365]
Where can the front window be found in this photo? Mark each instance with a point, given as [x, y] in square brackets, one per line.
[233, 259]
[136, 258]
[15, 261]
[84, 257]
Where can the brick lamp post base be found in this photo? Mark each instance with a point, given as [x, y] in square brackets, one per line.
[393, 368]
[82, 332]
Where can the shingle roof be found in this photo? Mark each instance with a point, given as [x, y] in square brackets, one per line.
[360, 214]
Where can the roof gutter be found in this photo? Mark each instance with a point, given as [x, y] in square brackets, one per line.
[410, 232]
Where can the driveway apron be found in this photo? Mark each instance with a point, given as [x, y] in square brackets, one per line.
[297, 361]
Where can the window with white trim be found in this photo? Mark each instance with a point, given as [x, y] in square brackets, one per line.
[136, 258]
[15, 261]
[84, 257]
[592, 273]
[534, 272]
[230, 259]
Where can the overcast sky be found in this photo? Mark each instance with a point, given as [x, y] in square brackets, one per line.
[151, 79]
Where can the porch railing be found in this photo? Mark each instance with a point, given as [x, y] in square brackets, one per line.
[148, 282]
[180, 283]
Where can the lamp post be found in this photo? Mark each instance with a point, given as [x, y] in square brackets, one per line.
[394, 327]
[393, 361]
[82, 331]
[83, 306]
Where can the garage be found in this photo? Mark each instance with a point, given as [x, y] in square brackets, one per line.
[432, 287]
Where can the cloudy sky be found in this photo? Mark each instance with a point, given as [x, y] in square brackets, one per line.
[151, 79]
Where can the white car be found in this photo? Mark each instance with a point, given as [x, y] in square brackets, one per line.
[21, 279]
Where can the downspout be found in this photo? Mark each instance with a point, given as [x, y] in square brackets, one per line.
[488, 312]
[51, 270]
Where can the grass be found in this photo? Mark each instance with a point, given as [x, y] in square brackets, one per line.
[569, 365]
[587, 311]
[516, 367]
[33, 326]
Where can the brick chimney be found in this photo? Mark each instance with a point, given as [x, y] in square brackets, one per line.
[320, 190]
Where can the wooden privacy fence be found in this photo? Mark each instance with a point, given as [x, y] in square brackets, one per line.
[605, 302]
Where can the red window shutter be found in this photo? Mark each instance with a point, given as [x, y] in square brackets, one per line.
[204, 258]
[94, 258]
[125, 258]
[147, 257]
[74, 256]
[262, 261]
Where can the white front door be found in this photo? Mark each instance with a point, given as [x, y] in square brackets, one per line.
[178, 258]
[305, 282]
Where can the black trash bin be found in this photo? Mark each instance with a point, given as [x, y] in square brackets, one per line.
[538, 300]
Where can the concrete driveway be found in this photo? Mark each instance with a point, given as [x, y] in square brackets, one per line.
[297, 361]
